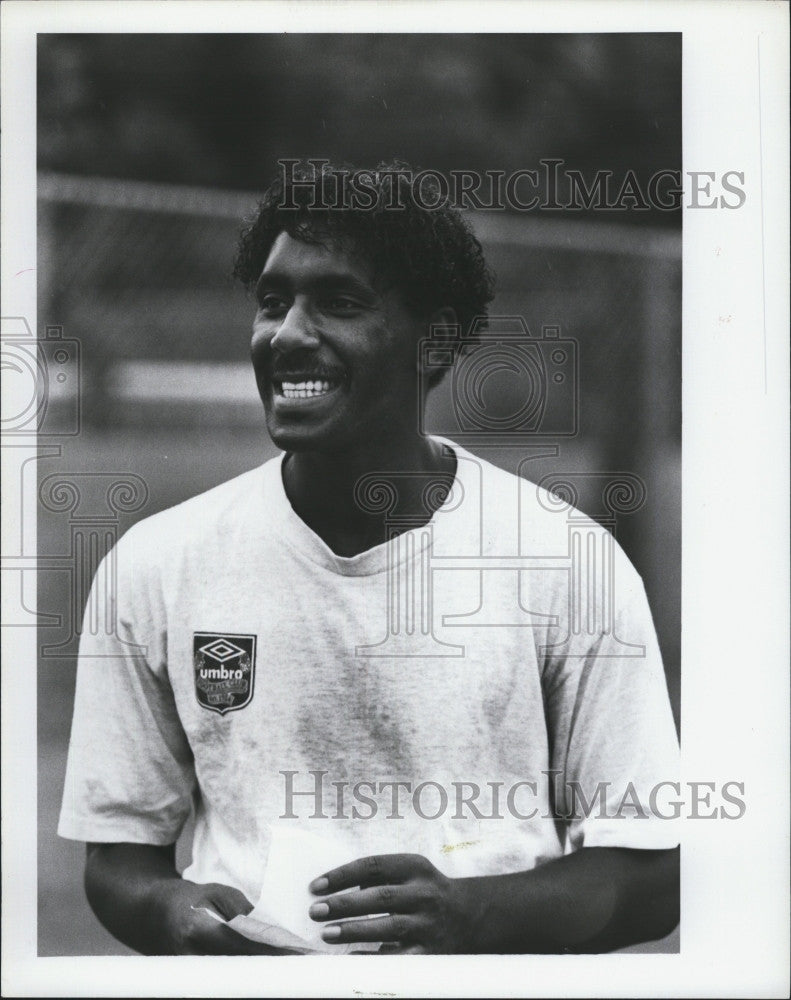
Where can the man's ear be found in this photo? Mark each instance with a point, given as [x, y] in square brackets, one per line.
[440, 347]
[443, 326]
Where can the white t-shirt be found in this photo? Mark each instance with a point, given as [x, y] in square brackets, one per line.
[241, 663]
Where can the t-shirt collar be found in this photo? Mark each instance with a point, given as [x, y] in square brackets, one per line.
[297, 534]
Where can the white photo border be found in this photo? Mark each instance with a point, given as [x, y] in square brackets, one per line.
[735, 875]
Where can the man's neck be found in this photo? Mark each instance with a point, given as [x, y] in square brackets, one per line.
[328, 493]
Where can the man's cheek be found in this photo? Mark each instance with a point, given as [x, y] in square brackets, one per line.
[259, 344]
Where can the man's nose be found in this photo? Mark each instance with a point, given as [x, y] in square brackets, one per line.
[296, 331]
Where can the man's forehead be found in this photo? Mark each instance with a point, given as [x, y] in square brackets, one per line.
[320, 254]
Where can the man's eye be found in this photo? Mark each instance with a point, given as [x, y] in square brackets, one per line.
[272, 304]
[343, 304]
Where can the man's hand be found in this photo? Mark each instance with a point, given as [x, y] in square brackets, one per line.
[593, 900]
[420, 910]
[189, 930]
[136, 892]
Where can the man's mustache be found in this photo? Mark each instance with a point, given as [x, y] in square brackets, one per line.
[304, 363]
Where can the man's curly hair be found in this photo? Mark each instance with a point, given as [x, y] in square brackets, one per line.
[429, 254]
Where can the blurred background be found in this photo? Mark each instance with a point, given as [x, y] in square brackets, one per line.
[153, 149]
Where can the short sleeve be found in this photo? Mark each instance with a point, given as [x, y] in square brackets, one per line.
[613, 745]
[130, 773]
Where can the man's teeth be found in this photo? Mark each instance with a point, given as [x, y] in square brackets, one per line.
[305, 390]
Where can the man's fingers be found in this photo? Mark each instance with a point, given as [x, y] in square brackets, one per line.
[208, 936]
[220, 940]
[376, 869]
[397, 927]
[365, 902]
[392, 948]
[228, 902]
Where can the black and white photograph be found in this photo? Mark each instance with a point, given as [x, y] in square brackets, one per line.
[371, 458]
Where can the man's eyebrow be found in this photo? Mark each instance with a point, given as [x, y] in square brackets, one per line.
[330, 281]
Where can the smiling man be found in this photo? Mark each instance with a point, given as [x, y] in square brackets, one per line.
[298, 656]
[335, 349]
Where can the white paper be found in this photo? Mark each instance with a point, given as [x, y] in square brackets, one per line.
[280, 918]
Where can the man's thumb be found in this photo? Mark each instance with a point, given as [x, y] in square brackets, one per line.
[228, 902]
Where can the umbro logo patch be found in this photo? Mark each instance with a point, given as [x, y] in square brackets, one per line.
[224, 667]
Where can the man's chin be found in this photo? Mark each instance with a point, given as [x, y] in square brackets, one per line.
[296, 439]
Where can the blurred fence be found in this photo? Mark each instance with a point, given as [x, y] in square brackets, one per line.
[141, 273]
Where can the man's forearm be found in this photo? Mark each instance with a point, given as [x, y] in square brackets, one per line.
[122, 883]
[136, 892]
[594, 900]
